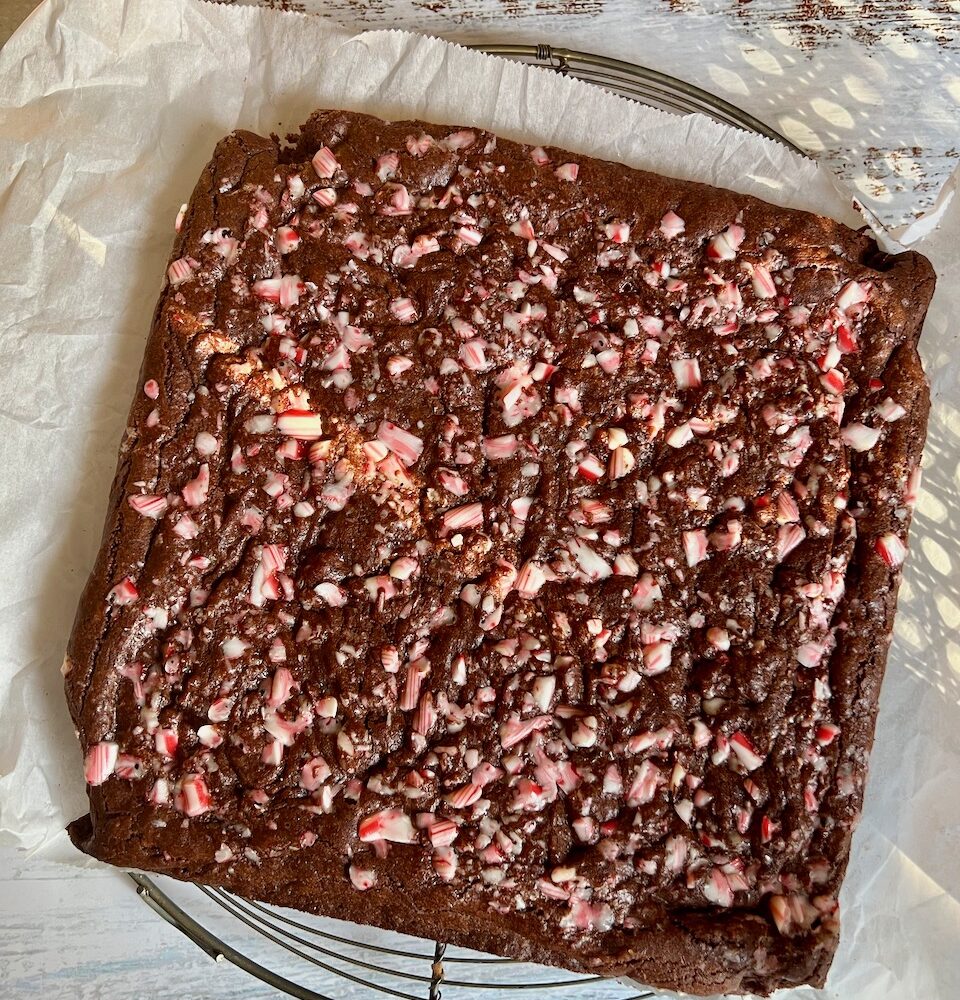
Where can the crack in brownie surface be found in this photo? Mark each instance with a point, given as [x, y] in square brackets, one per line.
[514, 532]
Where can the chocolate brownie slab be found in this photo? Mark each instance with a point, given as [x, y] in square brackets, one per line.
[504, 549]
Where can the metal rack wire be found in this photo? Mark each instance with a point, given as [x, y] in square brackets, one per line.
[303, 946]
[648, 86]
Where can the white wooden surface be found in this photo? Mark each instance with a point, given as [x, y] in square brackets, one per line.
[68, 932]
[72, 933]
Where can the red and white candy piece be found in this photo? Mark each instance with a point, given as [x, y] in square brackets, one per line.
[304, 425]
[852, 294]
[181, 270]
[234, 647]
[287, 239]
[590, 562]
[389, 824]
[724, 245]
[206, 444]
[209, 736]
[100, 762]
[687, 373]
[617, 232]
[362, 878]
[529, 580]
[404, 310]
[325, 163]
[125, 592]
[763, 284]
[443, 832]
[591, 468]
[516, 730]
[193, 798]
[656, 658]
[745, 751]
[470, 515]
[891, 411]
[445, 863]
[387, 165]
[504, 446]
[643, 785]
[891, 549]
[789, 536]
[165, 742]
[148, 504]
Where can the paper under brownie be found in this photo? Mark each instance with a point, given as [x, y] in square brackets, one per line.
[504, 549]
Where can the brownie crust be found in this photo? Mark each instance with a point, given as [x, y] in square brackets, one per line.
[504, 550]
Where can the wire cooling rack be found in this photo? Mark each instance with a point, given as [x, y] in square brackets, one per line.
[294, 949]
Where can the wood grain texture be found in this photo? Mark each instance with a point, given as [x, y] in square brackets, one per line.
[84, 933]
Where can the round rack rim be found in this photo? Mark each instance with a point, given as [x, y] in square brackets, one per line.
[221, 951]
[632, 82]
[637, 83]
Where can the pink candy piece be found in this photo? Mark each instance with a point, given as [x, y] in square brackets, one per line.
[287, 239]
[643, 785]
[687, 373]
[314, 773]
[453, 483]
[695, 546]
[656, 658]
[852, 294]
[671, 225]
[529, 580]
[181, 270]
[789, 536]
[362, 878]
[387, 165]
[859, 437]
[443, 833]
[195, 492]
[516, 730]
[504, 446]
[763, 285]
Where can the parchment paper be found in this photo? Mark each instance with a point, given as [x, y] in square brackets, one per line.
[108, 112]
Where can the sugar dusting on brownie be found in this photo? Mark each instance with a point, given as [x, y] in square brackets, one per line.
[501, 534]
